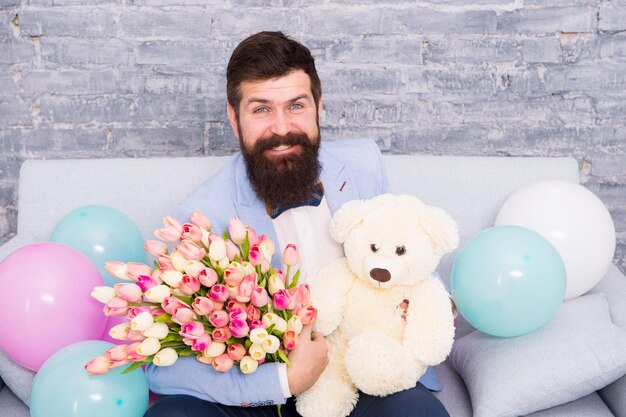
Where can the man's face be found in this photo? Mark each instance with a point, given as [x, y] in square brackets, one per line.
[278, 130]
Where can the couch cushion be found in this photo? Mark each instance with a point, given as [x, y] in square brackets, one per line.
[578, 352]
[11, 406]
[588, 406]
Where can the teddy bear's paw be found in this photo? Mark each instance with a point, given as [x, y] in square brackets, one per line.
[379, 365]
[333, 400]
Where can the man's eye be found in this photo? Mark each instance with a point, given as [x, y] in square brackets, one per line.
[261, 110]
[297, 106]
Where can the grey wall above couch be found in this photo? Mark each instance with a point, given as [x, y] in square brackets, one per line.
[84, 79]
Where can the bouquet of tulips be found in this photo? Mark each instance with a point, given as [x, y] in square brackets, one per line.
[215, 297]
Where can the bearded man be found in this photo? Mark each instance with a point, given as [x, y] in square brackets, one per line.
[285, 183]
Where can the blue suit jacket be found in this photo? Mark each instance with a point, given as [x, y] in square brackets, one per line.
[351, 169]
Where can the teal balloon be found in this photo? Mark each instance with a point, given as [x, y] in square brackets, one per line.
[63, 388]
[508, 281]
[102, 234]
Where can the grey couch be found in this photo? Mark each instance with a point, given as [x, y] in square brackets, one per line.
[471, 189]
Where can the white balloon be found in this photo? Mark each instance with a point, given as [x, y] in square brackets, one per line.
[574, 220]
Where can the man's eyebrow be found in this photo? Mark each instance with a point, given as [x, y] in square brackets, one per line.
[253, 100]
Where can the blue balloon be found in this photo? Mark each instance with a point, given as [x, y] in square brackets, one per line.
[102, 234]
[508, 281]
[63, 388]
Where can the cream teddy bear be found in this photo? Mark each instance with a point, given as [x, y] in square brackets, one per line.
[392, 245]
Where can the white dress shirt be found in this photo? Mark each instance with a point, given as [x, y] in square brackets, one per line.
[307, 227]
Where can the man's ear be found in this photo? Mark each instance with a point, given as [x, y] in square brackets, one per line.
[232, 118]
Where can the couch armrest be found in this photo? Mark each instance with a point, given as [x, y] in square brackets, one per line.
[16, 377]
[613, 285]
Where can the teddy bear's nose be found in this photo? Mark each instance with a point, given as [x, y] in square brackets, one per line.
[380, 275]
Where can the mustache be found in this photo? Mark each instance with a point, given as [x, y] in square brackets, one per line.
[290, 139]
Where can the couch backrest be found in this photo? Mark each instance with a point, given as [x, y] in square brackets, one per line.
[471, 189]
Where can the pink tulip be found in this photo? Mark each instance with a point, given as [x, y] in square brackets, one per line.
[133, 356]
[218, 293]
[171, 304]
[255, 255]
[165, 261]
[117, 269]
[129, 292]
[290, 255]
[191, 232]
[171, 223]
[223, 363]
[307, 314]
[303, 295]
[155, 248]
[238, 328]
[135, 311]
[259, 297]
[200, 220]
[236, 230]
[98, 366]
[237, 313]
[232, 250]
[135, 269]
[290, 340]
[203, 306]
[233, 276]
[281, 300]
[236, 351]
[168, 235]
[116, 307]
[145, 282]
[253, 313]
[116, 353]
[221, 334]
[189, 285]
[201, 343]
[134, 335]
[183, 315]
[191, 251]
[219, 318]
[255, 324]
[192, 330]
[246, 288]
[208, 277]
[233, 304]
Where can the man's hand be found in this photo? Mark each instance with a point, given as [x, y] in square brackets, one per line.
[308, 360]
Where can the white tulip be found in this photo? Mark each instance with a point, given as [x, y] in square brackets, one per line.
[248, 365]
[148, 347]
[165, 357]
[158, 330]
[142, 321]
[158, 293]
[103, 293]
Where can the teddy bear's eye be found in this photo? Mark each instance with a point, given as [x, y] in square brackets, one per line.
[400, 250]
[373, 247]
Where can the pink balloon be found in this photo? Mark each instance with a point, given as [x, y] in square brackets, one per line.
[45, 302]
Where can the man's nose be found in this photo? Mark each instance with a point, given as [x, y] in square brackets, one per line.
[281, 124]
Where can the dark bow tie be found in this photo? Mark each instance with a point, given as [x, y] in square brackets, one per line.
[275, 210]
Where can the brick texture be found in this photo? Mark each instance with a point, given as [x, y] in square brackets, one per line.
[107, 78]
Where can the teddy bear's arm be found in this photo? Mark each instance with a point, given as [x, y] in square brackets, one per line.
[429, 330]
[328, 293]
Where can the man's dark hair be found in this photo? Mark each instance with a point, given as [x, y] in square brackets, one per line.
[267, 55]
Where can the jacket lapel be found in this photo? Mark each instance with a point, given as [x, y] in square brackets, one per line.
[339, 186]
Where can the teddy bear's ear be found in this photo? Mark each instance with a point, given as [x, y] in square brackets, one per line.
[442, 230]
[349, 215]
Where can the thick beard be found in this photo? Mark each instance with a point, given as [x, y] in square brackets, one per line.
[283, 179]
